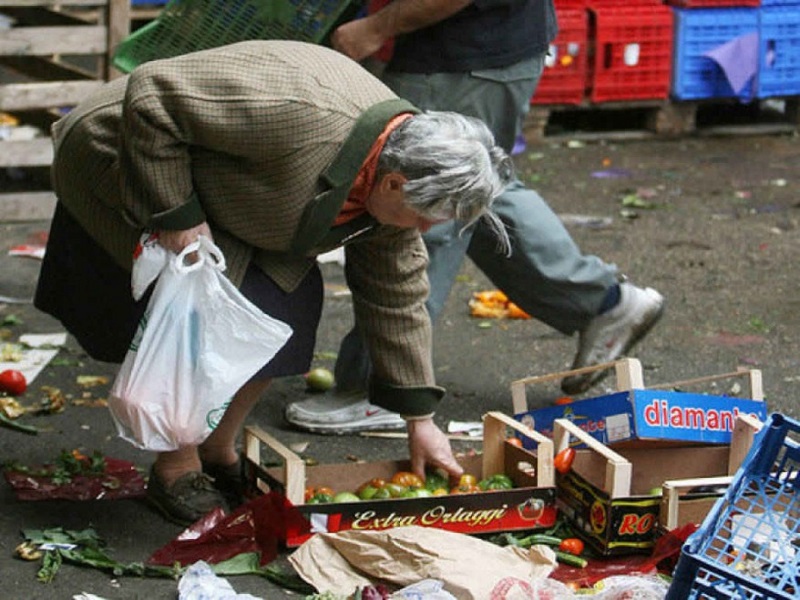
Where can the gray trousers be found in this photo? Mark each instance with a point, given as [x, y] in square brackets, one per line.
[546, 274]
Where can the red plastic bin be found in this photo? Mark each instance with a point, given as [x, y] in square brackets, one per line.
[563, 80]
[632, 57]
[711, 3]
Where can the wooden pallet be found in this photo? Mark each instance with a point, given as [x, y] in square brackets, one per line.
[660, 118]
[54, 54]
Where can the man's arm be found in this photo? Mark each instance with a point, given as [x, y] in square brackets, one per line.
[363, 37]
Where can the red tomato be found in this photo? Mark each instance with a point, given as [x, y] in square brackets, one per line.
[563, 400]
[515, 441]
[571, 545]
[563, 460]
[13, 382]
[407, 479]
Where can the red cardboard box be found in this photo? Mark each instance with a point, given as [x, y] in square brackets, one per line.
[530, 505]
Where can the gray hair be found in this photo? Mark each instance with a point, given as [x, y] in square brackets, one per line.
[453, 168]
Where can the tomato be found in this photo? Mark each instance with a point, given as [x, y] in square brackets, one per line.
[465, 489]
[496, 482]
[563, 460]
[563, 400]
[309, 493]
[325, 491]
[319, 379]
[435, 480]
[467, 480]
[396, 490]
[571, 545]
[13, 382]
[515, 441]
[407, 479]
[439, 492]
[320, 499]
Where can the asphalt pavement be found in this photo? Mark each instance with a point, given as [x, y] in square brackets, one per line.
[712, 223]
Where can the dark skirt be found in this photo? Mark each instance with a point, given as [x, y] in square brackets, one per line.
[81, 286]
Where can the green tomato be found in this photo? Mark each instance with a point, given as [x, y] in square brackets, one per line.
[381, 494]
[395, 490]
[319, 379]
[434, 480]
[367, 492]
[320, 499]
[496, 482]
[346, 497]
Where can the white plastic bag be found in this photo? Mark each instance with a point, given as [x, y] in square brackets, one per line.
[198, 342]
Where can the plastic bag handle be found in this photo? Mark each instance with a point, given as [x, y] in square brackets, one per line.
[207, 252]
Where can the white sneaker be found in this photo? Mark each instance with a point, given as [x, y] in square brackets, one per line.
[613, 334]
[340, 415]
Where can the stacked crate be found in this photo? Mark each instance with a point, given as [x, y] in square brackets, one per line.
[608, 51]
[632, 50]
[52, 55]
[703, 25]
[564, 78]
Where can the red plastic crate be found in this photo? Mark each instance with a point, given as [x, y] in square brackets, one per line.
[563, 80]
[632, 57]
[711, 3]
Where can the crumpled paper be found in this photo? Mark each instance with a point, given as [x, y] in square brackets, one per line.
[470, 568]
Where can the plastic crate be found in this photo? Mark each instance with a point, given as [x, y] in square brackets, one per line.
[713, 3]
[748, 546]
[698, 30]
[563, 80]
[779, 52]
[189, 25]
[632, 52]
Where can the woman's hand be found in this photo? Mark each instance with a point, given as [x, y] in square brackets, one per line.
[428, 445]
[177, 240]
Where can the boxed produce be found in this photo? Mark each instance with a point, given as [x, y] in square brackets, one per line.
[635, 414]
[505, 488]
[614, 498]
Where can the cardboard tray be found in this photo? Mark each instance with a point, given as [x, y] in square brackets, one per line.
[640, 415]
[530, 505]
[608, 495]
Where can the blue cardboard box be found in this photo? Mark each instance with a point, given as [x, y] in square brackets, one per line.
[650, 415]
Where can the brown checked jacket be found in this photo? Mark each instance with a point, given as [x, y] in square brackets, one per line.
[263, 140]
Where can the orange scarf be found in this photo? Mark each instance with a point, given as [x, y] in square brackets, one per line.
[354, 206]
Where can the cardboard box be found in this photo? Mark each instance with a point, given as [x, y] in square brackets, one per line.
[614, 498]
[530, 505]
[635, 414]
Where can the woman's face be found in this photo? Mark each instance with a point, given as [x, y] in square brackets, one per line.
[387, 204]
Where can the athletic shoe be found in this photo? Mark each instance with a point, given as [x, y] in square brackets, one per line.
[613, 334]
[341, 415]
[187, 500]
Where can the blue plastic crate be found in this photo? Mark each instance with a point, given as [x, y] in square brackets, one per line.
[779, 52]
[748, 547]
[698, 30]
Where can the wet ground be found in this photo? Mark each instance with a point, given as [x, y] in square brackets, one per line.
[711, 222]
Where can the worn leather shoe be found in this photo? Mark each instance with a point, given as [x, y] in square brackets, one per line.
[188, 499]
[228, 480]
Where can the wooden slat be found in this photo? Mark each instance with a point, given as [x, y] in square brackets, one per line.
[53, 3]
[26, 153]
[27, 96]
[619, 470]
[79, 39]
[27, 206]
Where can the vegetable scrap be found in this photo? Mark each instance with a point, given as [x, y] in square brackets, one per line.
[73, 475]
[494, 304]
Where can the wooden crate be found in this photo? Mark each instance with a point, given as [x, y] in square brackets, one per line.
[53, 54]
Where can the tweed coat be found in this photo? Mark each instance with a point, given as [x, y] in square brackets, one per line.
[263, 140]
